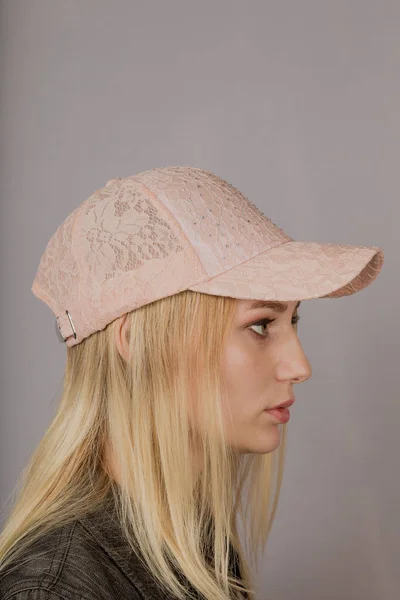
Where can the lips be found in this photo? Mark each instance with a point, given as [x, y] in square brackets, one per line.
[283, 405]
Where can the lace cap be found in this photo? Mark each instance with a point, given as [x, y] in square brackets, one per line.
[154, 234]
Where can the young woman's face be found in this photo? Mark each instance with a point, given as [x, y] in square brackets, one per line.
[260, 365]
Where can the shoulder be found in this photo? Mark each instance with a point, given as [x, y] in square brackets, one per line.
[65, 564]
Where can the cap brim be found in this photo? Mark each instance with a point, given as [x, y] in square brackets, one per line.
[298, 270]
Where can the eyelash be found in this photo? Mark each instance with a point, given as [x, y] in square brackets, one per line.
[295, 320]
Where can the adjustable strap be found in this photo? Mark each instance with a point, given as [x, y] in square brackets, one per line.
[65, 327]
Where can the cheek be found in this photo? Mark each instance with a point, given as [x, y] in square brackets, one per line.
[245, 372]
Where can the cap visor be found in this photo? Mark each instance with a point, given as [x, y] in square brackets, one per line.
[298, 270]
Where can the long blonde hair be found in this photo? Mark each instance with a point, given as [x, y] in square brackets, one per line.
[141, 408]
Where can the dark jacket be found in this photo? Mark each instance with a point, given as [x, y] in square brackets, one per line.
[88, 560]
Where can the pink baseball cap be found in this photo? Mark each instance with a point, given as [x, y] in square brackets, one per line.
[151, 235]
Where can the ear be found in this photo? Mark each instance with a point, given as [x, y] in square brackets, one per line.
[121, 336]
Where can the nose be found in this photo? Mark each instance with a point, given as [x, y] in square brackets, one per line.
[301, 366]
[305, 372]
[294, 365]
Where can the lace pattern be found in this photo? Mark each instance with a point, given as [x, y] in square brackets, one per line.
[154, 234]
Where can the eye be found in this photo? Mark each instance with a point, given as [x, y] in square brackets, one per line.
[265, 322]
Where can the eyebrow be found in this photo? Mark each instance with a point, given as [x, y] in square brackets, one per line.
[279, 307]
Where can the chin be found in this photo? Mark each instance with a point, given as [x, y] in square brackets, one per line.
[268, 442]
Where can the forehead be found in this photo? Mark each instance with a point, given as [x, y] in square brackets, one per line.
[280, 307]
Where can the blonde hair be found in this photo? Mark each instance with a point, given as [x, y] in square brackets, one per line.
[140, 407]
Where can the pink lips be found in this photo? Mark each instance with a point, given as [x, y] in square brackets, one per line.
[281, 411]
[281, 414]
[283, 405]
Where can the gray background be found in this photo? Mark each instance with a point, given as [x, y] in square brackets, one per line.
[298, 105]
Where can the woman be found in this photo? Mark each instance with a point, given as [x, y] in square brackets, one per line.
[178, 300]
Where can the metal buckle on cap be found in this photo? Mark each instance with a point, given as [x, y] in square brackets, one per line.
[58, 329]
